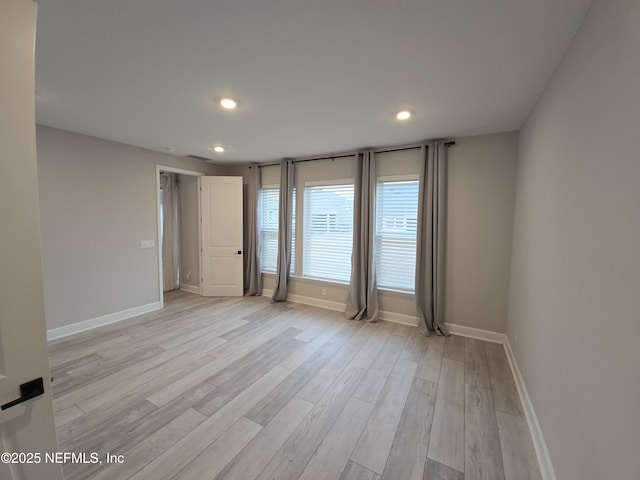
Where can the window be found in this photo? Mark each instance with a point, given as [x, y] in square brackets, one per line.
[328, 231]
[268, 216]
[396, 227]
[269, 203]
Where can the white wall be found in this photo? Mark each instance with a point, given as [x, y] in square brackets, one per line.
[574, 303]
[189, 244]
[481, 193]
[98, 201]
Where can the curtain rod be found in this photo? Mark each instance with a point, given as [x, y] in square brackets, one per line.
[333, 157]
[330, 157]
[415, 147]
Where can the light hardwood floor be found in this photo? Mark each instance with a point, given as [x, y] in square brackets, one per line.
[238, 388]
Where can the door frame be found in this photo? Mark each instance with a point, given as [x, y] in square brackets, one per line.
[180, 171]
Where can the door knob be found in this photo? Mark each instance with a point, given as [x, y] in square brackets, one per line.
[28, 390]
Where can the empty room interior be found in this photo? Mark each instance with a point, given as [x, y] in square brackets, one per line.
[320, 240]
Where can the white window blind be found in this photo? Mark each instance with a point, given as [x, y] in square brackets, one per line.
[328, 231]
[396, 226]
[268, 214]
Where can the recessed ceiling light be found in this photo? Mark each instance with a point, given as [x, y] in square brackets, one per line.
[218, 149]
[228, 103]
[403, 115]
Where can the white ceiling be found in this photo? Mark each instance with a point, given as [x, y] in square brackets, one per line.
[310, 76]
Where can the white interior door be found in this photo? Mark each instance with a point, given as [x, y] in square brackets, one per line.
[221, 209]
[26, 418]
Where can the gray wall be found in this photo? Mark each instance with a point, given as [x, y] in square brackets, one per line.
[574, 304]
[482, 175]
[98, 201]
[481, 193]
[189, 244]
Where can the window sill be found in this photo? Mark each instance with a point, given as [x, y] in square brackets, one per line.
[310, 279]
[383, 290]
[398, 293]
[320, 280]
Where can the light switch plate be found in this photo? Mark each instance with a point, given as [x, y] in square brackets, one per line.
[147, 243]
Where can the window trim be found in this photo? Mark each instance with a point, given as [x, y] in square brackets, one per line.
[266, 187]
[276, 186]
[329, 183]
[395, 178]
[398, 178]
[300, 230]
[320, 183]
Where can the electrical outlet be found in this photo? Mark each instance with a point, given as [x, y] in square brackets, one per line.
[324, 292]
[188, 275]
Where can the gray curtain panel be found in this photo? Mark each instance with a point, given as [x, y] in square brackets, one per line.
[170, 232]
[430, 248]
[362, 300]
[253, 277]
[284, 231]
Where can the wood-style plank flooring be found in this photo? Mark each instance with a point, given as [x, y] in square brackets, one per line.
[239, 388]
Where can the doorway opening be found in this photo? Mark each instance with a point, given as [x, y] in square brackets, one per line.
[178, 230]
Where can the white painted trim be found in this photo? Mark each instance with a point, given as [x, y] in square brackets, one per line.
[544, 460]
[181, 171]
[478, 333]
[199, 221]
[398, 178]
[92, 323]
[329, 183]
[190, 288]
[394, 317]
[317, 280]
[159, 239]
[316, 302]
[401, 318]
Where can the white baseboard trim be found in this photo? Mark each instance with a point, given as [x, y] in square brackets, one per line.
[401, 318]
[316, 302]
[478, 333]
[396, 317]
[92, 323]
[544, 460]
[190, 288]
[339, 307]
